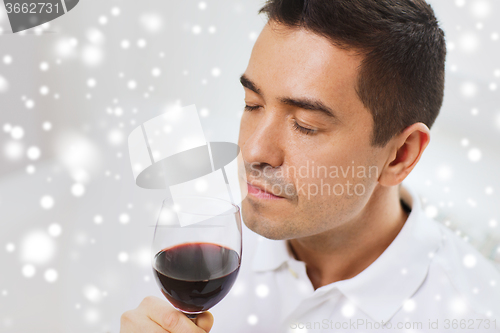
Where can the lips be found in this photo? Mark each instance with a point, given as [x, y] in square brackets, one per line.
[260, 192]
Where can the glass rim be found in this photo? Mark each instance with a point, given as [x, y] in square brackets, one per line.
[235, 208]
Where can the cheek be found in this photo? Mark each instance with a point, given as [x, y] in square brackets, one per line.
[327, 210]
[335, 187]
[244, 128]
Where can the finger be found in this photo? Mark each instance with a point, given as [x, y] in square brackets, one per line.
[205, 321]
[132, 322]
[170, 319]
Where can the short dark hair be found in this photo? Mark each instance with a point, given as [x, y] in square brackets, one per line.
[401, 77]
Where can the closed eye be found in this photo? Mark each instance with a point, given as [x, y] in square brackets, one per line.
[251, 108]
[296, 126]
[302, 129]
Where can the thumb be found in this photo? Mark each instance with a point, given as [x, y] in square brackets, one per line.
[205, 321]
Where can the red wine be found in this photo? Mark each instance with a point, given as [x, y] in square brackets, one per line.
[196, 276]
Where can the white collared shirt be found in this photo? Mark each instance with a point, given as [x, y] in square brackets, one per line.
[427, 280]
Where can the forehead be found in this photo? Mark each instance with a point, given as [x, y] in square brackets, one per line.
[287, 61]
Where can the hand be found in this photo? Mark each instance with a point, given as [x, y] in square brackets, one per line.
[155, 315]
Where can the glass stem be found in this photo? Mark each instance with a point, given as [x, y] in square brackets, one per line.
[192, 316]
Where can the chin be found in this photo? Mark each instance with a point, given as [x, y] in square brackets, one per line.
[269, 233]
[266, 228]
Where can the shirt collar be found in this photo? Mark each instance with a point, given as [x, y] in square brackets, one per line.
[381, 289]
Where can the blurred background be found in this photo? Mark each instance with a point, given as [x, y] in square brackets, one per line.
[76, 231]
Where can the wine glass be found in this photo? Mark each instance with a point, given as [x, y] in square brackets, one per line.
[196, 251]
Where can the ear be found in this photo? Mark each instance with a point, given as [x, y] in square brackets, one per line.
[406, 149]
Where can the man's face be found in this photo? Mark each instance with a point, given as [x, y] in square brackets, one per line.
[318, 164]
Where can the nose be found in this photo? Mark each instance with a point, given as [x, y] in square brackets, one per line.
[264, 142]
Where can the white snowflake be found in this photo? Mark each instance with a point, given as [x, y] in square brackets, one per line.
[132, 84]
[409, 305]
[469, 260]
[55, 230]
[262, 290]
[17, 132]
[124, 218]
[51, 275]
[33, 153]
[10, 247]
[92, 55]
[348, 310]
[474, 154]
[78, 189]
[91, 82]
[47, 202]
[115, 11]
[152, 22]
[156, 72]
[98, 219]
[7, 59]
[92, 293]
[141, 43]
[44, 90]
[252, 320]
[103, 20]
[44, 66]
[196, 29]
[123, 257]
[28, 270]
[125, 44]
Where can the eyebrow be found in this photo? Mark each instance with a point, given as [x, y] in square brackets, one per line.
[247, 83]
[303, 103]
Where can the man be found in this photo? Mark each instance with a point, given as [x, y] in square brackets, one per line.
[340, 96]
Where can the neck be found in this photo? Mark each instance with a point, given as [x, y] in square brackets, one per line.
[345, 251]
